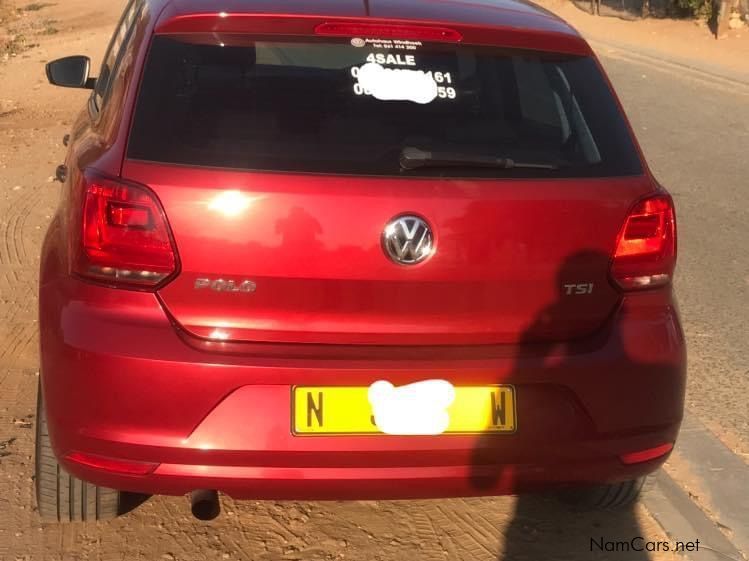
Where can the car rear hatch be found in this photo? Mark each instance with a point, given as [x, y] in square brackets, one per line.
[282, 171]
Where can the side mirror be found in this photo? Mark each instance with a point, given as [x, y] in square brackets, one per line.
[70, 72]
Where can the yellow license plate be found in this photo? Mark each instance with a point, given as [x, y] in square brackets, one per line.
[346, 410]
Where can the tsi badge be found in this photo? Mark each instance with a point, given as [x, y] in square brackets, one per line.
[578, 289]
[221, 285]
[415, 409]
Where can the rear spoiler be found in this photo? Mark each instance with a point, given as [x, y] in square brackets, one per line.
[511, 35]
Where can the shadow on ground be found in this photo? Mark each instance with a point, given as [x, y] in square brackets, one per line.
[542, 528]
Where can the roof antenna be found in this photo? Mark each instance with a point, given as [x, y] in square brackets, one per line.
[366, 7]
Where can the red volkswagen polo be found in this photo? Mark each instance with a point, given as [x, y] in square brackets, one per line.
[352, 250]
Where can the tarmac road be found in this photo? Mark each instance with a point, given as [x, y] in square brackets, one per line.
[694, 130]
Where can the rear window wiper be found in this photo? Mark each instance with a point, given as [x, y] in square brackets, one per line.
[413, 158]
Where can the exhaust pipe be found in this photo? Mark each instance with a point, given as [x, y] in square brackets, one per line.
[204, 504]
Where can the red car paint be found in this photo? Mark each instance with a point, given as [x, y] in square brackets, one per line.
[163, 390]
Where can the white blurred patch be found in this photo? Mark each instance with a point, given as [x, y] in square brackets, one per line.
[415, 409]
[399, 84]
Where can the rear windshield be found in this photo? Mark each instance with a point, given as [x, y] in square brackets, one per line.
[353, 106]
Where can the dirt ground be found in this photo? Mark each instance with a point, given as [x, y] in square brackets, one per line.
[33, 119]
[689, 42]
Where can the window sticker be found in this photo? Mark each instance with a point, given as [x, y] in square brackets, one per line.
[389, 44]
[392, 59]
[405, 82]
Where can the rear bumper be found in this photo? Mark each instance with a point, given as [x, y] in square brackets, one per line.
[360, 483]
[120, 382]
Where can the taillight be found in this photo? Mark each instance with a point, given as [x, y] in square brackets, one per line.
[377, 30]
[124, 236]
[645, 255]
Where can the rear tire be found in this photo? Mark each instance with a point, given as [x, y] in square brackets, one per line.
[611, 496]
[60, 496]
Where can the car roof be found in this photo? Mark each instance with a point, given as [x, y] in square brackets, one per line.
[481, 13]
